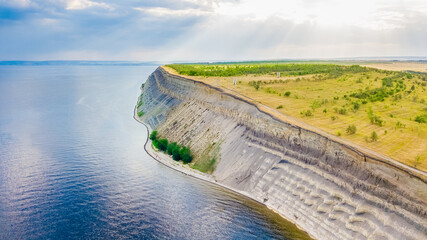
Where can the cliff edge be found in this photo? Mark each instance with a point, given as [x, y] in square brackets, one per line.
[330, 189]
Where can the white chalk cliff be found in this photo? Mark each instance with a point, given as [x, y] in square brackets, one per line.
[330, 189]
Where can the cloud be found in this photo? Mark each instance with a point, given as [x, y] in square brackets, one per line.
[210, 29]
[161, 11]
[15, 3]
[82, 4]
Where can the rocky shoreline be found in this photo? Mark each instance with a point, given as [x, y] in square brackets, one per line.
[185, 169]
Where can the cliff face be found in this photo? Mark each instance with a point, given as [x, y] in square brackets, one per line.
[329, 189]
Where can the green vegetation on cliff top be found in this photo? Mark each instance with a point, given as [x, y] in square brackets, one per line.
[382, 110]
[292, 69]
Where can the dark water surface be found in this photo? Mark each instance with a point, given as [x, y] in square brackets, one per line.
[72, 166]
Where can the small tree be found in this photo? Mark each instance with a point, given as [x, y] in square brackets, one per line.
[351, 129]
[307, 113]
[374, 136]
[356, 106]
[175, 153]
[421, 118]
[185, 155]
[287, 94]
[153, 135]
[156, 143]
[170, 147]
[163, 144]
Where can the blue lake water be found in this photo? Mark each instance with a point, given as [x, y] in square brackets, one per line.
[72, 166]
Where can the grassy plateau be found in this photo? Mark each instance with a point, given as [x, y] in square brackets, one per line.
[381, 110]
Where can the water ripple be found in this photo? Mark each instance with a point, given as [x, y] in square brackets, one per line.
[72, 172]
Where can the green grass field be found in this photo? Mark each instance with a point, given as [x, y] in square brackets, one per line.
[382, 110]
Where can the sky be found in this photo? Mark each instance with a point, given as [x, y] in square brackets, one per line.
[210, 30]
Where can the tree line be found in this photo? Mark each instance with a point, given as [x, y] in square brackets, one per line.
[221, 70]
[176, 151]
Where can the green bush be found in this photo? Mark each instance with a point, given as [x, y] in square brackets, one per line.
[255, 84]
[287, 94]
[421, 118]
[156, 143]
[373, 95]
[356, 106]
[185, 155]
[279, 107]
[375, 119]
[170, 147]
[307, 113]
[351, 129]
[342, 111]
[318, 103]
[400, 125]
[163, 144]
[387, 82]
[374, 136]
[175, 153]
[153, 135]
[140, 113]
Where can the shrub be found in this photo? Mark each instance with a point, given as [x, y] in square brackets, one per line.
[318, 103]
[342, 111]
[185, 155]
[356, 106]
[387, 82]
[175, 153]
[374, 136]
[374, 118]
[156, 143]
[400, 125]
[421, 118]
[170, 147]
[307, 113]
[280, 107]
[339, 133]
[351, 129]
[287, 94]
[140, 113]
[153, 135]
[255, 84]
[162, 144]
[373, 95]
